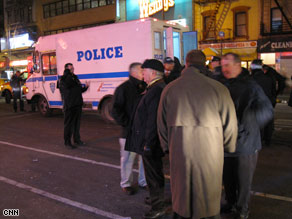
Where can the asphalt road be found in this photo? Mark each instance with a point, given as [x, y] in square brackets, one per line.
[43, 179]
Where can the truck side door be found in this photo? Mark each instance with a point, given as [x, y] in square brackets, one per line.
[50, 78]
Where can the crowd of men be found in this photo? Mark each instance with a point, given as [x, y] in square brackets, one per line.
[211, 123]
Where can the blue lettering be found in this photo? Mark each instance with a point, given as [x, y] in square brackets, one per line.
[88, 55]
[119, 53]
[102, 53]
[108, 52]
[95, 55]
[80, 54]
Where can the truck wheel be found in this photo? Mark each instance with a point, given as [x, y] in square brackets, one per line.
[8, 97]
[43, 107]
[106, 109]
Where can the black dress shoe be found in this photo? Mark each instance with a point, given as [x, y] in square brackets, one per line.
[129, 190]
[79, 143]
[147, 200]
[155, 213]
[227, 209]
[68, 144]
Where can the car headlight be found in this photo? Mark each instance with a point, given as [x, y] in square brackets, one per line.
[1, 87]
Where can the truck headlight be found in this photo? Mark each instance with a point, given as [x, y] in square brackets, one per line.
[25, 90]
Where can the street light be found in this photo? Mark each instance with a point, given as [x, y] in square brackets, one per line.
[221, 35]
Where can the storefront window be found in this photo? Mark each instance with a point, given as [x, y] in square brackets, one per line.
[268, 58]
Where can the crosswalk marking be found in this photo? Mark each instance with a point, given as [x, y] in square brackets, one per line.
[61, 199]
[118, 167]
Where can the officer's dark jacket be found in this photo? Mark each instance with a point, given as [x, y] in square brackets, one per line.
[16, 83]
[144, 128]
[126, 98]
[71, 90]
[253, 110]
[267, 83]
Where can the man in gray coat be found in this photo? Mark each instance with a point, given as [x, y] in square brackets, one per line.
[196, 123]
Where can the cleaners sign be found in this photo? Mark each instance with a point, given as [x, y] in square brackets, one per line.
[148, 8]
[275, 45]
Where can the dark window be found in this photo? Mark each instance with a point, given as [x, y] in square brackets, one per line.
[72, 5]
[86, 4]
[207, 23]
[276, 20]
[52, 10]
[68, 6]
[9, 17]
[94, 3]
[59, 8]
[29, 13]
[102, 2]
[46, 11]
[79, 5]
[240, 24]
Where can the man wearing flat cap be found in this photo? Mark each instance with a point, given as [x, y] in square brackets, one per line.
[196, 123]
[144, 138]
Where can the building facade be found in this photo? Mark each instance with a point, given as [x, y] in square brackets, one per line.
[228, 26]
[275, 43]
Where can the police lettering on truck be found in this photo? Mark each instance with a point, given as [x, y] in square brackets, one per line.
[103, 53]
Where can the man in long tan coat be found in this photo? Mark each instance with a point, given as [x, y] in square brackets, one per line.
[196, 123]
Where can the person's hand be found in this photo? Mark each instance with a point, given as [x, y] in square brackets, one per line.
[147, 151]
[87, 83]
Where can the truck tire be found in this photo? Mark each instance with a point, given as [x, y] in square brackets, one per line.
[43, 107]
[106, 109]
[8, 97]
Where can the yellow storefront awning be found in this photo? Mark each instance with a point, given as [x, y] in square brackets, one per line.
[209, 52]
[246, 54]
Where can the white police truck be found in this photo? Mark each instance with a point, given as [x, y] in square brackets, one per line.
[101, 56]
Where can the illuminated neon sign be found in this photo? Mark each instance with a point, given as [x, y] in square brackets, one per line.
[148, 8]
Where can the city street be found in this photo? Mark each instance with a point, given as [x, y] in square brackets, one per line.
[44, 179]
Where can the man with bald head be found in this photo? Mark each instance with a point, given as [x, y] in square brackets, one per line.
[196, 124]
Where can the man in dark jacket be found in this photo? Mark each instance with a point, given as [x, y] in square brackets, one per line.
[215, 63]
[172, 69]
[268, 84]
[16, 82]
[253, 110]
[144, 137]
[126, 98]
[279, 79]
[71, 91]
